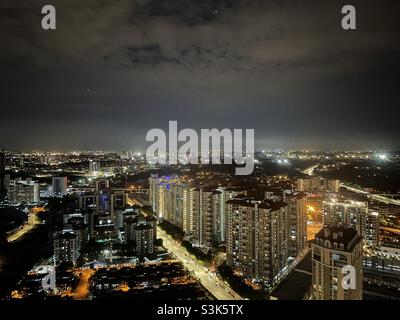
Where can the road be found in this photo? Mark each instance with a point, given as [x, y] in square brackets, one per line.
[313, 227]
[393, 230]
[32, 222]
[372, 196]
[81, 291]
[212, 283]
[310, 171]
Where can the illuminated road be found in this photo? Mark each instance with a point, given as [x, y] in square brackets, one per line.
[313, 227]
[32, 222]
[373, 196]
[310, 171]
[393, 230]
[212, 283]
[81, 291]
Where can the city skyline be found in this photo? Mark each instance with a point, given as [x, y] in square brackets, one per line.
[188, 156]
[113, 70]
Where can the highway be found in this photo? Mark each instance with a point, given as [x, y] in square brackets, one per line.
[310, 171]
[380, 198]
[212, 283]
[372, 196]
[33, 220]
[393, 230]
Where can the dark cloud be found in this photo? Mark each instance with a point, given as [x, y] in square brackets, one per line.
[114, 69]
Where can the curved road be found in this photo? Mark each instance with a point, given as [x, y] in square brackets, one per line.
[213, 284]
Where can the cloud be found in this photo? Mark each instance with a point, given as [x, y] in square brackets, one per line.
[285, 68]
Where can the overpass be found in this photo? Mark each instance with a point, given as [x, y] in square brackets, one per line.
[377, 197]
[393, 230]
[310, 171]
[134, 190]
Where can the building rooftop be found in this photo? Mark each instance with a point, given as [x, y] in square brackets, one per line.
[265, 204]
[143, 227]
[65, 236]
[347, 236]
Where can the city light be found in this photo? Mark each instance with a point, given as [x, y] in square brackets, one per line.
[183, 157]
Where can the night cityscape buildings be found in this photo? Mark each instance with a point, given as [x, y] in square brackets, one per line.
[260, 229]
[334, 248]
[127, 129]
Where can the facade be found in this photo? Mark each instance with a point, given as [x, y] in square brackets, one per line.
[318, 184]
[332, 185]
[142, 231]
[257, 243]
[144, 237]
[227, 193]
[94, 168]
[60, 185]
[118, 201]
[349, 214]
[23, 192]
[105, 202]
[334, 248]
[371, 229]
[66, 248]
[198, 211]
[381, 267]
[207, 228]
[311, 184]
[297, 222]
[122, 214]
[353, 214]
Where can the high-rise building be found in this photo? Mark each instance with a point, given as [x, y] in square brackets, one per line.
[122, 214]
[187, 208]
[36, 192]
[144, 237]
[349, 214]
[297, 222]
[370, 231]
[94, 168]
[207, 228]
[256, 242]
[381, 267]
[310, 184]
[169, 198]
[60, 185]
[336, 251]
[153, 192]
[227, 193]
[163, 197]
[22, 192]
[332, 185]
[198, 211]
[318, 184]
[66, 247]
[141, 231]
[118, 201]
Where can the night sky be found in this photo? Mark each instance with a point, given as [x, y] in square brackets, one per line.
[114, 69]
